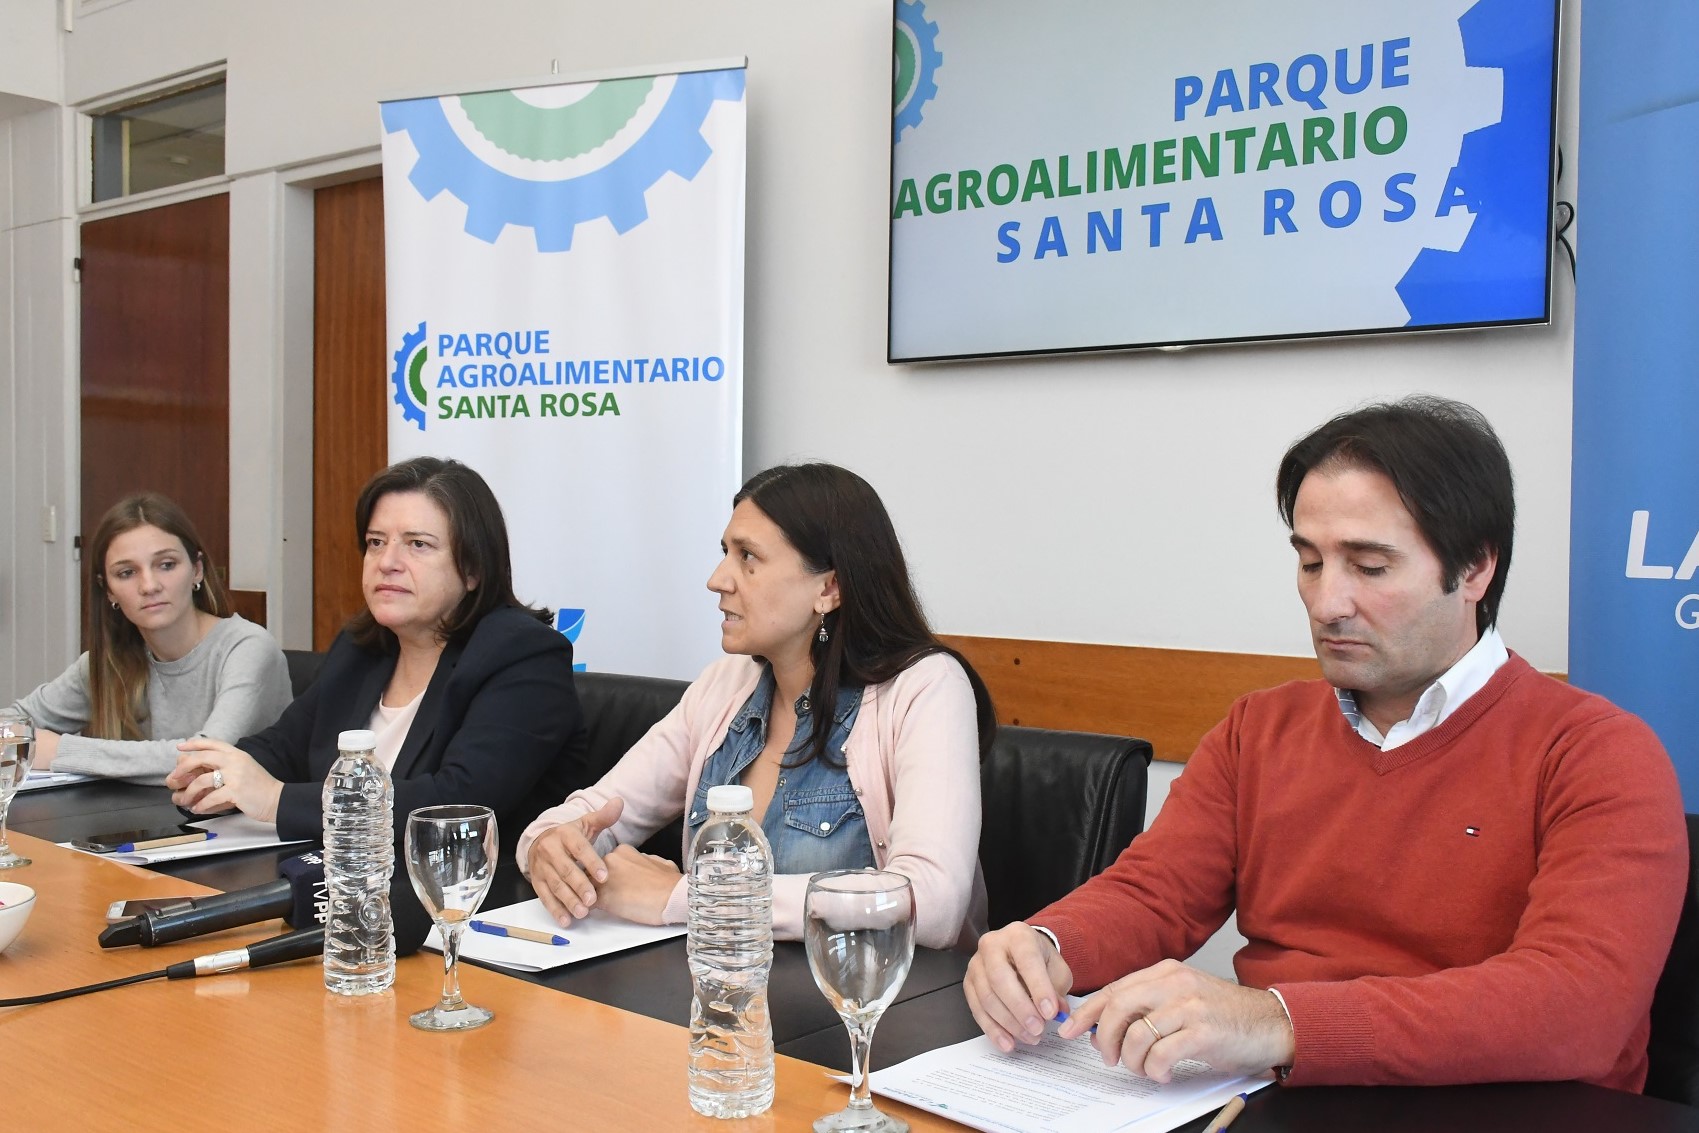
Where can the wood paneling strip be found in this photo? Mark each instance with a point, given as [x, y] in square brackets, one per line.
[250, 604]
[1170, 697]
[350, 389]
[155, 315]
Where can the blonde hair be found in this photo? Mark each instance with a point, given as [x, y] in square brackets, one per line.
[117, 659]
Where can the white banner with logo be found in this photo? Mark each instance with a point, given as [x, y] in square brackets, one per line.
[565, 315]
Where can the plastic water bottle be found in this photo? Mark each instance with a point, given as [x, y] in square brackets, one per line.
[730, 880]
[359, 859]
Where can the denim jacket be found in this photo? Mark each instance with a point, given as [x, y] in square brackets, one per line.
[815, 821]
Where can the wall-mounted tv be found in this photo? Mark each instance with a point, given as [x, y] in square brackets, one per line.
[1088, 175]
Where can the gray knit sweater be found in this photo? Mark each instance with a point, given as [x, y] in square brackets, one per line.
[233, 684]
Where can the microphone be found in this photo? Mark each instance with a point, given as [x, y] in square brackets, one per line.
[277, 950]
[300, 896]
[309, 892]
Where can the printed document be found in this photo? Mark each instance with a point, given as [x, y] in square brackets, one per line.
[1057, 1086]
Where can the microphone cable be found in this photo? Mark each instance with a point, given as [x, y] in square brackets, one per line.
[263, 953]
[67, 993]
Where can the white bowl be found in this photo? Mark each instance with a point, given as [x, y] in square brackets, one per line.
[16, 901]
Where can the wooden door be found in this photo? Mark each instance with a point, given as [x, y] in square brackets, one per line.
[156, 365]
[350, 382]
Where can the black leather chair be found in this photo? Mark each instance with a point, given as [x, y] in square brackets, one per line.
[618, 710]
[1673, 1053]
[304, 666]
[1059, 807]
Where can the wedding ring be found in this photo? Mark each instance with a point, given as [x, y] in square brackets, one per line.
[218, 785]
[1145, 1019]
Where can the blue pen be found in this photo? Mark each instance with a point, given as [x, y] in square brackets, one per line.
[513, 932]
[156, 843]
[1062, 1017]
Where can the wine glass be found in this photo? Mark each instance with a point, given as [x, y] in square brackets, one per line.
[451, 859]
[17, 747]
[858, 925]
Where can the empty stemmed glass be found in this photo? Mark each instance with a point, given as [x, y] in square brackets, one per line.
[17, 748]
[451, 858]
[858, 926]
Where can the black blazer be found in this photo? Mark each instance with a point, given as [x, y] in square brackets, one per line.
[499, 725]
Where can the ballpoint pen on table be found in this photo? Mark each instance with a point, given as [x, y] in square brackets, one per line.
[513, 932]
[174, 840]
[1228, 1113]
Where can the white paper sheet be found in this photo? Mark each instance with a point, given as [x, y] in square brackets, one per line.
[235, 832]
[41, 780]
[1058, 1086]
[596, 935]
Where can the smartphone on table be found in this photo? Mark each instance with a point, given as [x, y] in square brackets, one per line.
[124, 910]
[128, 841]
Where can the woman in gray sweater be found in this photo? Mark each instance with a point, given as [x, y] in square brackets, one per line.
[168, 660]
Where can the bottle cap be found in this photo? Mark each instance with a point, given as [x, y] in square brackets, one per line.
[357, 739]
[731, 799]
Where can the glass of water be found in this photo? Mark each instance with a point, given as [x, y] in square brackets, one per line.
[17, 747]
[451, 859]
[858, 926]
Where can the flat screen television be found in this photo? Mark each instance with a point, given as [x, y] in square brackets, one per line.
[1088, 175]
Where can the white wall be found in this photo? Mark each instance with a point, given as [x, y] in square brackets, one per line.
[38, 397]
[1121, 498]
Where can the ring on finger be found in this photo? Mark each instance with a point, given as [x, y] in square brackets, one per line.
[217, 779]
[1157, 1034]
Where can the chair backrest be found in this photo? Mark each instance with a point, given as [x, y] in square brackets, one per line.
[1059, 807]
[304, 666]
[618, 711]
[1673, 1053]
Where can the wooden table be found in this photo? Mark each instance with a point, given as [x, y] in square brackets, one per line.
[271, 1049]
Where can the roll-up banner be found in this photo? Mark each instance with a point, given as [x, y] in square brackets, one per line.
[1634, 528]
[565, 315]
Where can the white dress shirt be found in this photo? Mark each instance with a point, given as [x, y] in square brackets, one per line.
[1446, 695]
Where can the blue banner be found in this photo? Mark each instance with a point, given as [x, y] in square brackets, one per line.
[1634, 526]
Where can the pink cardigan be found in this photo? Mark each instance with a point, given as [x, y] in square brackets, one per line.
[913, 757]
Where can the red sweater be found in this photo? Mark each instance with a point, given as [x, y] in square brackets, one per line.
[1493, 901]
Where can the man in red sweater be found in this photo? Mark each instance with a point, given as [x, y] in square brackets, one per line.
[1447, 866]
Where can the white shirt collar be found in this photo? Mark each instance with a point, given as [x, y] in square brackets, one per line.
[1439, 700]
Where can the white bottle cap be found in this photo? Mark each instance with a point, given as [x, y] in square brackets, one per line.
[731, 799]
[357, 739]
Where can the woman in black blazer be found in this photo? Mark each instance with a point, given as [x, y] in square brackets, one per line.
[469, 690]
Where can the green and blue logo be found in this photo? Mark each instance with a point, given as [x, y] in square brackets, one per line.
[915, 74]
[513, 160]
[408, 376]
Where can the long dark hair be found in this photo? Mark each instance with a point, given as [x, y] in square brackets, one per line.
[837, 522]
[117, 656]
[477, 533]
[1449, 468]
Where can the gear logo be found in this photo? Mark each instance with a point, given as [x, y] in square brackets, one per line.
[571, 623]
[915, 77]
[408, 376]
[515, 157]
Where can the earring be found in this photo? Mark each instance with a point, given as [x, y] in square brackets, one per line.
[822, 637]
[197, 587]
[114, 605]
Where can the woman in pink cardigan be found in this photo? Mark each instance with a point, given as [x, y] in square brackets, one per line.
[818, 611]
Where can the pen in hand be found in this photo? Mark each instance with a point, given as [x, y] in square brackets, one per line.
[513, 932]
[1062, 1017]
